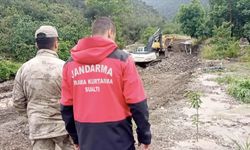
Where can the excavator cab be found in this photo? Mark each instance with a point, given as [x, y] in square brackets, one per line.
[152, 52]
[155, 44]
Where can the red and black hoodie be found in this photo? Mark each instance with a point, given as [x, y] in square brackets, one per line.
[101, 93]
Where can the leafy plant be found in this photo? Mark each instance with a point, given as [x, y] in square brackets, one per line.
[234, 11]
[225, 79]
[222, 45]
[240, 89]
[73, 19]
[242, 146]
[192, 19]
[237, 87]
[246, 54]
[195, 102]
[8, 69]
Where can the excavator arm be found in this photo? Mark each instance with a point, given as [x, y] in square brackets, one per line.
[156, 37]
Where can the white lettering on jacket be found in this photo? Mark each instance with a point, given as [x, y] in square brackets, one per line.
[93, 81]
[92, 68]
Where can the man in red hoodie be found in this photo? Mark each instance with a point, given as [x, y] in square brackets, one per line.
[102, 92]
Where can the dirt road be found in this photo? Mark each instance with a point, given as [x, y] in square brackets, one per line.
[165, 83]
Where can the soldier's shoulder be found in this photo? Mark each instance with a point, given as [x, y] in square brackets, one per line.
[27, 63]
[60, 61]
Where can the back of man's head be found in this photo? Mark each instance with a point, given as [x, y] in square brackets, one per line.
[46, 37]
[102, 25]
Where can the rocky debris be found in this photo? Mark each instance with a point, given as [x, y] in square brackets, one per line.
[6, 94]
[175, 63]
[6, 86]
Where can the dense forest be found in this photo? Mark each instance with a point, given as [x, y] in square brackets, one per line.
[225, 22]
[20, 19]
[222, 23]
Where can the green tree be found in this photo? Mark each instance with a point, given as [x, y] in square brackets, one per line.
[149, 31]
[222, 45]
[72, 18]
[237, 12]
[171, 28]
[191, 18]
[22, 43]
[246, 32]
[20, 19]
[97, 8]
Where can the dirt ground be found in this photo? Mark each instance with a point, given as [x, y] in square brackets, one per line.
[222, 118]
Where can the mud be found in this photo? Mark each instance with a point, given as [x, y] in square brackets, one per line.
[170, 115]
[222, 118]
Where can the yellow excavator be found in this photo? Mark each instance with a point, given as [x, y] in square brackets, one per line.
[166, 42]
[152, 51]
[158, 45]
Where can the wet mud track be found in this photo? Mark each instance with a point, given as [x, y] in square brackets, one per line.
[165, 83]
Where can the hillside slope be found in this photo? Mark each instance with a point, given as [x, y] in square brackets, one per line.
[20, 19]
[169, 8]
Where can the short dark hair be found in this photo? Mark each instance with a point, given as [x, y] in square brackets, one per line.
[44, 42]
[103, 24]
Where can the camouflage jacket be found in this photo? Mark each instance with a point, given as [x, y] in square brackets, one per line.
[37, 91]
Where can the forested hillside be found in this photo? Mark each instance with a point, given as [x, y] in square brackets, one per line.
[169, 8]
[20, 19]
[224, 24]
[136, 20]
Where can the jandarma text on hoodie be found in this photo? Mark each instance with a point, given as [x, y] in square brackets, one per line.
[84, 69]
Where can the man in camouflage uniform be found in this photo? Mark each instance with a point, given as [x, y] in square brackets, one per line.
[37, 91]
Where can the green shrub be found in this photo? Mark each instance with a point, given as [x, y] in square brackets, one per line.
[226, 79]
[8, 69]
[237, 87]
[64, 50]
[233, 50]
[246, 55]
[149, 31]
[240, 89]
[220, 51]
[171, 28]
[222, 45]
[208, 52]
[242, 145]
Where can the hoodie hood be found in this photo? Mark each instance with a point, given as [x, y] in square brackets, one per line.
[92, 50]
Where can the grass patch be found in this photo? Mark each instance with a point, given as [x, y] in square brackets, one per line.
[246, 54]
[8, 69]
[242, 146]
[222, 45]
[220, 51]
[226, 80]
[208, 52]
[237, 87]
